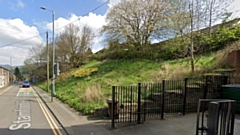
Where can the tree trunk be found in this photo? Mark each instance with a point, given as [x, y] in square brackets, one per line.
[192, 42]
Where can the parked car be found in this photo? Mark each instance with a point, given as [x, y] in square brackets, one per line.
[26, 84]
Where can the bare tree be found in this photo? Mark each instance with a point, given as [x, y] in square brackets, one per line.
[72, 43]
[86, 40]
[35, 64]
[188, 18]
[135, 20]
[191, 9]
[215, 10]
[37, 54]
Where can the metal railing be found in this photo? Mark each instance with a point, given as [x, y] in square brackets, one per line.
[135, 104]
[215, 117]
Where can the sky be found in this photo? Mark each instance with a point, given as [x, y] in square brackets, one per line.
[23, 24]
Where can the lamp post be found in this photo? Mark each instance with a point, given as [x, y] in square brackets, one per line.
[11, 78]
[53, 51]
[11, 61]
[47, 62]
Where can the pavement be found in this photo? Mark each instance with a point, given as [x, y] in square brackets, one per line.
[76, 124]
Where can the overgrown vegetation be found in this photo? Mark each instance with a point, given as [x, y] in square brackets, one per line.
[175, 48]
[90, 92]
[130, 58]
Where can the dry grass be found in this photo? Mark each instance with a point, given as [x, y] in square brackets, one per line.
[179, 73]
[168, 72]
[232, 46]
[93, 93]
[221, 57]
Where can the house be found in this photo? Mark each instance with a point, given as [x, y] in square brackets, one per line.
[4, 77]
[12, 76]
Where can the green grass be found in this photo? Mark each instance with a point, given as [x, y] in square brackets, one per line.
[75, 91]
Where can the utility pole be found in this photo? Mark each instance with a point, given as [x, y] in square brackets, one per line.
[47, 62]
[53, 50]
[11, 61]
[53, 56]
[11, 78]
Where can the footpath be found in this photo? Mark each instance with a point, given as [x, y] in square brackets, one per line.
[76, 124]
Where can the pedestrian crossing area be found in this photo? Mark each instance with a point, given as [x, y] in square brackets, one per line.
[25, 92]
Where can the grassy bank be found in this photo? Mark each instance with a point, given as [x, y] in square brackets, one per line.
[88, 92]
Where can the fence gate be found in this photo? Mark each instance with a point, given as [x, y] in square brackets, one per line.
[127, 107]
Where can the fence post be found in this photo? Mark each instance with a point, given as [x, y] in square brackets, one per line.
[163, 87]
[233, 109]
[113, 106]
[225, 80]
[139, 104]
[205, 88]
[184, 96]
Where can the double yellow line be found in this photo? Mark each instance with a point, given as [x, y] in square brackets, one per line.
[50, 120]
[5, 90]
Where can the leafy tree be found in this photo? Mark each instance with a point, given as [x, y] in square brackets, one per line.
[135, 21]
[18, 74]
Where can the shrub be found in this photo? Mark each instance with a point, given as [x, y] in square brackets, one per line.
[89, 108]
[84, 72]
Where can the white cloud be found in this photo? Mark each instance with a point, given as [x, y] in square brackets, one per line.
[16, 5]
[20, 4]
[13, 33]
[93, 20]
[113, 2]
[15, 30]
[234, 7]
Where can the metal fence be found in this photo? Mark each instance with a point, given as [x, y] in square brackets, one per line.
[135, 104]
[215, 117]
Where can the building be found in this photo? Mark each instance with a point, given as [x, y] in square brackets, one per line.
[4, 77]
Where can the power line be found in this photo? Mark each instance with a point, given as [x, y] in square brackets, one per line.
[10, 44]
[84, 15]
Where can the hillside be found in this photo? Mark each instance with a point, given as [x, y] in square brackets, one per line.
[90, 91]
[6, 66]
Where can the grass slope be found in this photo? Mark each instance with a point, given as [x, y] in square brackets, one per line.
[86, 93]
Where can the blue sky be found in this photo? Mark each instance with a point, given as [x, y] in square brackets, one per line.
[29, 10]
[23, 24]
[23, 20]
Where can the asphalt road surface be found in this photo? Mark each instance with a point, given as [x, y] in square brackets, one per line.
[23, 113]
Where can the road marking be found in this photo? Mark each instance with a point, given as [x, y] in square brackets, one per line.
[24, 116]
[25, 92]
[5, 90]
[51, 122]
[20, 94]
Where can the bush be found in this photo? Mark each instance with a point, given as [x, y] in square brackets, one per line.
[84, 72]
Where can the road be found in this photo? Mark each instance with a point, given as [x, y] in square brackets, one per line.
[23, 113]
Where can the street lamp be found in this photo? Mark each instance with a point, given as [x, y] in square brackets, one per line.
[11, 61]
[53, 51]
[11, 70]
